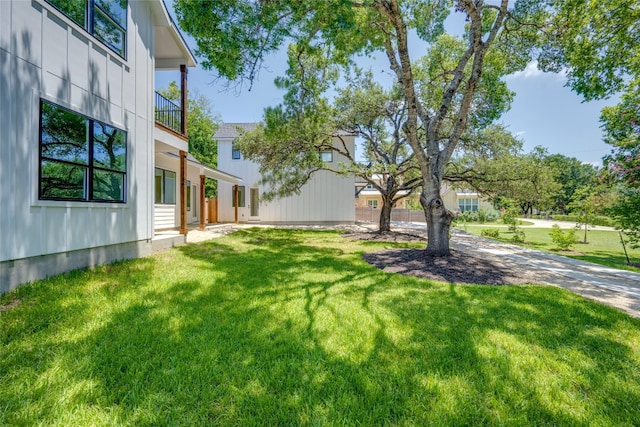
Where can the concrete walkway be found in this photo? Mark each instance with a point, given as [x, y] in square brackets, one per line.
[545, 223]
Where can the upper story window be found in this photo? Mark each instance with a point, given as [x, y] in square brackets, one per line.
[80, 158]
[105, 19]
[235, 152]
[326, 156]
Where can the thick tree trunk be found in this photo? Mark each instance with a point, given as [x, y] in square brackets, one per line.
[385, 217]
[438, 224]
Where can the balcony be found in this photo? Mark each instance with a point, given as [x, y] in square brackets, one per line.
[169, 114]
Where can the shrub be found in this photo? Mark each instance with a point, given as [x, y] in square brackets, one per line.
[490, 232]
[465, 217]
[485, 215]
[518, 236]
[510, 217]
[564, 240]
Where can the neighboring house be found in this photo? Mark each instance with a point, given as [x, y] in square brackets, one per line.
[87, 170]
[454, 199]
[367, 196]
[325, 198]
[463, 200]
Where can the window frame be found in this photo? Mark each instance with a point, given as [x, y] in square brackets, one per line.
[372, 203]
[468, 204]
[92, 9]
[90, 168]
[241, 197]
[163, 187]
[328, 153]
[235, 153]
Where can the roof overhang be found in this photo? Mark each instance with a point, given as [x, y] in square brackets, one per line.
[171, 50]
[205, 170]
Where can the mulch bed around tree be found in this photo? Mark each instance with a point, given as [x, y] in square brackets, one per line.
[459, 267]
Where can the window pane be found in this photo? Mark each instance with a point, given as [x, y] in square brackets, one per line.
[74, 9]
[108, 186]
[64, 135]
[158, 186]
[235, 153]
[169, 188]
[62, 181]
[188, 195]
[116, 9]
[109, 147]
[240, 197]
[108, 32]
[326, 156]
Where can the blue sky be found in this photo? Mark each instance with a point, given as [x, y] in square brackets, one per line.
[544, 112]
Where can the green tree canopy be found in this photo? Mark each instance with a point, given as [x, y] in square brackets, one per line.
[572, 175]
[234, 37]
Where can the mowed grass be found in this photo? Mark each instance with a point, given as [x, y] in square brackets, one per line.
[603, 246]
[283, 327]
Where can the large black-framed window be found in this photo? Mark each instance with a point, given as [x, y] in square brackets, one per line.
[105, 19]
[165, 183]
[81, 159]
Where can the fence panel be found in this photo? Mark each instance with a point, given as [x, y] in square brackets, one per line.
[405, 215]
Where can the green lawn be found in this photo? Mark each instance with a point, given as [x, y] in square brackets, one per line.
[282, 327]
[603, 246]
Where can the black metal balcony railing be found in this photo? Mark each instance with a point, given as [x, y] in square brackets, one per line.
[168, 113]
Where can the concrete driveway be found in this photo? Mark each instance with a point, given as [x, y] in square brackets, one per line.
[616, 288]
[610, 286]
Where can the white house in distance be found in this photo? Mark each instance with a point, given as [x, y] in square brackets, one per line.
[327, 198]
[92, 163]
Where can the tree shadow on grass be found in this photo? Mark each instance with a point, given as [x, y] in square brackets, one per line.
[281, 328]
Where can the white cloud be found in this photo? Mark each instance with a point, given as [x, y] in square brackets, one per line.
[531, 70]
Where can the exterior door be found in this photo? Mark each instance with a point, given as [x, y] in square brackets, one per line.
[254, 198]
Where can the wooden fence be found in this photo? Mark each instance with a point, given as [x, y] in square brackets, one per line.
[211, 210]
[373, 214]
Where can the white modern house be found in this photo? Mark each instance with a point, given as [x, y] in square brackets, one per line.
[92, 162]
[327, 198]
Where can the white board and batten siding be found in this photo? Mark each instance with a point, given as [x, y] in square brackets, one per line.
[325, 198]
[44, 55]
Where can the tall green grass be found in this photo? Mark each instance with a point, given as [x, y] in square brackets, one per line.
[282, 327]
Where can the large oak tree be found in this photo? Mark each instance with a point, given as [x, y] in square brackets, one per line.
[234, 36]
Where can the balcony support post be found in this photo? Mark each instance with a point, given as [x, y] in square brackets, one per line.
[183, 99]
